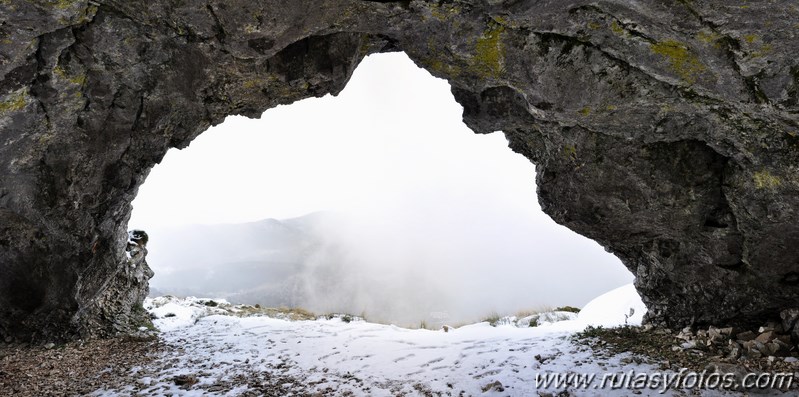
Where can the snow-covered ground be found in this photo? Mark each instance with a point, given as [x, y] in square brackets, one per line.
[335, 357]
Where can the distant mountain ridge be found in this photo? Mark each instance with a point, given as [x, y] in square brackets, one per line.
[254, 262]
[397, 267]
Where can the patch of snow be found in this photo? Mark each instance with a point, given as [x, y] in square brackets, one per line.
[545, 318]
[618, 307]
[171, 313]
[335, 357]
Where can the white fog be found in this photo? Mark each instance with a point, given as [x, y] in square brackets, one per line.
[379, 202]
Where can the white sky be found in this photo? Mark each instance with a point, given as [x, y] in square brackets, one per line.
[391, 149]
[394, 133]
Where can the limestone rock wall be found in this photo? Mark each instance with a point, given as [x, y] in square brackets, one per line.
[665, 130]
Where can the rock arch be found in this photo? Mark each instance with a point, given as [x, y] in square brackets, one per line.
[666, 131]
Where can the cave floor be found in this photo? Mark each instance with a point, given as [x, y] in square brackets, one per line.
[76, 368]
[202, 350]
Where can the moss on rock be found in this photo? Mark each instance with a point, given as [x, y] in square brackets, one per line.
[683, 61]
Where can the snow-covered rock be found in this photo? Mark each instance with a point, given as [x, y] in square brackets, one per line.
[618, 307]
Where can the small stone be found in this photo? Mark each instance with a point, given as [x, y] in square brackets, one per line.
[784, 347]
[765, 336]
[185, 380]
[713, 333]
[735, 352]
[726, 331]
[791, 359]
[761, 347]
[495, 385]
[49, 346]
[789, 317]
[727, 369]
[746, 336]
[689, 345]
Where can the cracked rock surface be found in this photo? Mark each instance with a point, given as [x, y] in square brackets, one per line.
[665, 130]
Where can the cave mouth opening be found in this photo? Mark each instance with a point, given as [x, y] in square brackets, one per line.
[379, 201]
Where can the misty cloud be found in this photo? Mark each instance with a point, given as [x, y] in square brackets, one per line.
[422, 215]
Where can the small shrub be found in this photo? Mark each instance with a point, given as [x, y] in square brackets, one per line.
[211, 303]
[592, 332]
[645, 346]
[534, 322]
[571, 309]
[298, 313]
[533, 311]
[492, 319]
[148, 325]
[257, 305]
[346, 318]
[170, 315]
[423, 325]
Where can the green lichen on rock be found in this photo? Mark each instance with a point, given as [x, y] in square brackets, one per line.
[14, 102]
[683, 62]
[709, 37]
[764, 180]
[615, 27]
[68, 4]
[437, 65]
[758, 48]
[79, 79]
[250, 28]
[442, 11]
[570, 152]
[255, 83]
[489, 58]
[444, 68]
[761, 52]
[64, 4]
